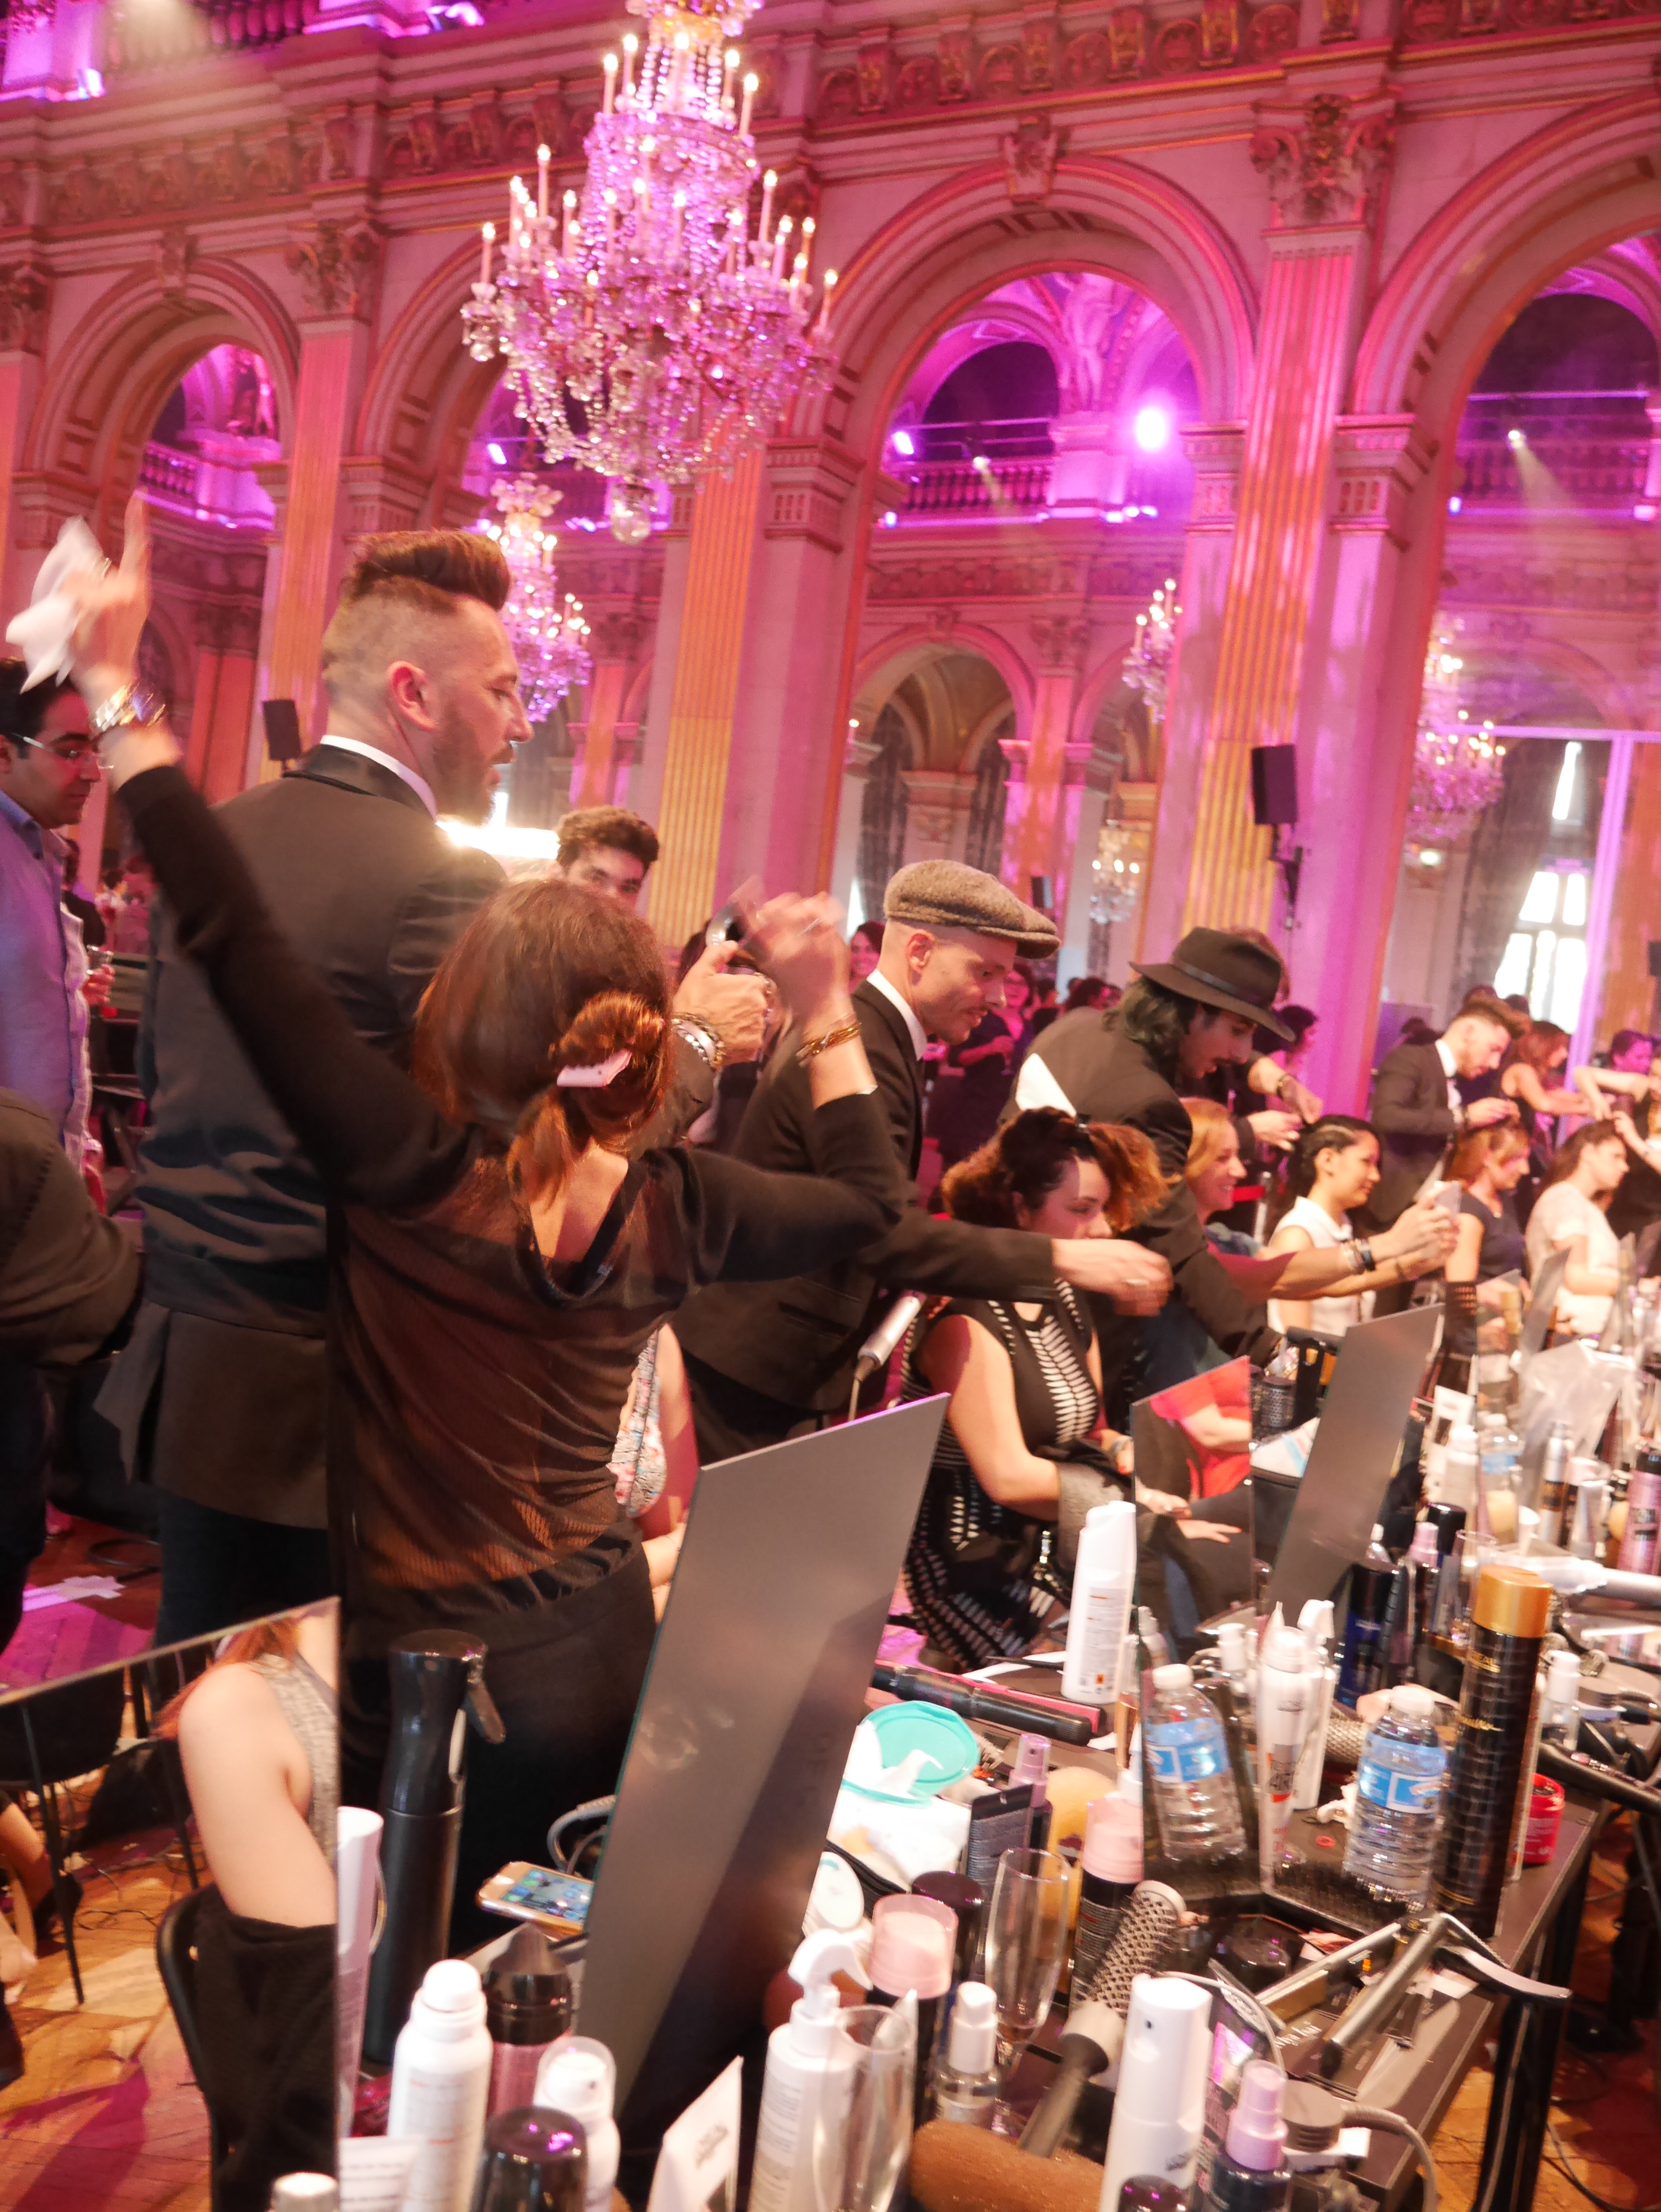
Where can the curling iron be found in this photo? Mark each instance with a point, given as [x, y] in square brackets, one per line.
[1056, 1717]
[1591, 1587]
[883, 1342]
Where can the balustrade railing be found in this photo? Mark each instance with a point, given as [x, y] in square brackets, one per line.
[957, 488]
[147, 37]
[1554, 449]
[170, 474]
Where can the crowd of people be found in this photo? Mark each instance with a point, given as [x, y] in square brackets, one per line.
[470, 1229]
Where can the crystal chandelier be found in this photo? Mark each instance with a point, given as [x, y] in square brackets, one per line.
[649, 335]
[1147, 664]
[546, 630]
[1116, 873]
[1457, 770]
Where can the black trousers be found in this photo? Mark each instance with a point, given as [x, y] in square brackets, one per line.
[564, 1672]
[25, 1456]
[729, 1418]
[219, 1569]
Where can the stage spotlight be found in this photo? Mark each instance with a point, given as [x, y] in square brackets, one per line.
[497, 454]
[904, 442]
[980, 461]
[1455, 504]
[1515, 438]
[1151, 429]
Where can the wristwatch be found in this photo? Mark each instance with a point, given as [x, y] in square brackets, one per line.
[703, 1040]
[132, 704]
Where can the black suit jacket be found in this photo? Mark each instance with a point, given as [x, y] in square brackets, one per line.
[1108, 1077]
[799, 1341]
[1410, 1112]
[368, 888]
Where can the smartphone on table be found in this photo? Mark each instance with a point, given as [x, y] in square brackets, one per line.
[557, 1902]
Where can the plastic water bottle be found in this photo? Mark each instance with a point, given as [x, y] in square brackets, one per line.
[1398, 1800]
[1188, 1763]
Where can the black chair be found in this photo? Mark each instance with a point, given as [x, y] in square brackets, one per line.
[176, 1959]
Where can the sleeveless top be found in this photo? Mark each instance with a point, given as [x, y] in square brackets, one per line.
[1328, 1316]
[312, 1710]
[1502, 1248]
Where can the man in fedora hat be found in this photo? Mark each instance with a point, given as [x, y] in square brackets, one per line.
[769, 1360]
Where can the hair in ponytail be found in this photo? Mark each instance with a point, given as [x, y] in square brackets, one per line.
[1333, 1132]
[547, 977]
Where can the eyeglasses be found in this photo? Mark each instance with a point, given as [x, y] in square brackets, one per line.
[71, 750]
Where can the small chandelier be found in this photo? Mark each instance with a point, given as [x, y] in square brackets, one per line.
[1147, 664]
[546, 630]
[1457, 770]
[649, 336]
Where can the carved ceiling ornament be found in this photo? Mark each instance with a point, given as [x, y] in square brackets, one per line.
[1030, 153]
[23, 296]
[338, 266]
[1324, 161]
[172, 263]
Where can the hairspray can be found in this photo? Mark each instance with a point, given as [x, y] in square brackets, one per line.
[1554, 1490]
[1639, 1544]
[1496, 1707]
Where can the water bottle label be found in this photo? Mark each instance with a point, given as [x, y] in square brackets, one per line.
[1186, 1751]
[1400, 1793]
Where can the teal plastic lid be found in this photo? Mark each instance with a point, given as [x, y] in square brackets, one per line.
[948, 1744]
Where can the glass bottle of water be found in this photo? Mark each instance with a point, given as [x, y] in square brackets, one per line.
[1398, 1800]
[1187, 1764]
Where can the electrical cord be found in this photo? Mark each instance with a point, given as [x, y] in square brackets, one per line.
[1371, 2116]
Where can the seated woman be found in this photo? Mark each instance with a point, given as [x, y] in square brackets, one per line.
[1024, 1383]
[1572, 1215]
[1488, 1164]
[1333, 1166]
[501, 1259]
[1178, 1346]
[259, 1740]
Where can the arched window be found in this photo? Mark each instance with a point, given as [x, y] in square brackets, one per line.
[983, 846]
[882, 816]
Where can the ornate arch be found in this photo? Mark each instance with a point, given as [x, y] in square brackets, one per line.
[889, 664]
[1585, 183]
[426, 392]
[103, 388]
[958, 241]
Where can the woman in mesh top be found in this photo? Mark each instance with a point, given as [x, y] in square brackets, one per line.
[500, 1261]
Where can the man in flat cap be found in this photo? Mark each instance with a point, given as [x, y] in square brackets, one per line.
[1177, 1024]
[766, 1361]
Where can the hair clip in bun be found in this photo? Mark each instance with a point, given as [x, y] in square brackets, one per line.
[596, 1077]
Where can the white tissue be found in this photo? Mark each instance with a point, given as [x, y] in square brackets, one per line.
[45, 632]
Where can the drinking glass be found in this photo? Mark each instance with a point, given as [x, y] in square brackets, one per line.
[1025, 1944]
[862, 2134]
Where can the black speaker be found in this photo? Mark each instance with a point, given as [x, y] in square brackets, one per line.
[1041, 893]
[1655, 959]
[282, 738]
[1273, 786]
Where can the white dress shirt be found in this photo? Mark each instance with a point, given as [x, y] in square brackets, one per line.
[421, 788]
[915, 1028]
[1455, 1103]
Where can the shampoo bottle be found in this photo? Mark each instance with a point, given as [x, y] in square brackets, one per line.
[441, 2084]
[1103, 1586]
[579, 2076]
[808, 2067]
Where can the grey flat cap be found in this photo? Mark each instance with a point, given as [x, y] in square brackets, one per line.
[947, 894]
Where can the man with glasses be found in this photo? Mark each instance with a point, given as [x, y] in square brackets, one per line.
[48, 771]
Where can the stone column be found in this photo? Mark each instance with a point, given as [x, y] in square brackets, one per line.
[23, 299]
[784, 728]
[1090, 779]
[938, 803]
[337, 265]
[707, 663]
[1033, 814]
[1207, 551]
[615, 643]
[646, 782]
[859, 756]
[227, 671]
[1091, 468]
[1320, 161]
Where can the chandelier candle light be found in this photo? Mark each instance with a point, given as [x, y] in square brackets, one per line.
[546, 630]
[649, 334]
[1456, 771]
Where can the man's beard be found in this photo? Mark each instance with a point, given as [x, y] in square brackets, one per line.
[462, 781]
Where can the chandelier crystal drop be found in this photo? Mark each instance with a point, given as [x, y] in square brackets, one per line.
[1457, 771]
[545, 627]
[1147, 664]
[649, 334]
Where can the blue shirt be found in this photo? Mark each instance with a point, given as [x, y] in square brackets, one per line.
[43, 964]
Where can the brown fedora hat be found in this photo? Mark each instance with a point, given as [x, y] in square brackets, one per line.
[1225, 971]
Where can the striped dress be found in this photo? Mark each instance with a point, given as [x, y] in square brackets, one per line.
[981, 1576]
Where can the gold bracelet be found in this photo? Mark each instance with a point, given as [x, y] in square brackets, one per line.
[844, 1033]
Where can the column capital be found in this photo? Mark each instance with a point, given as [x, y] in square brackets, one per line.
[1379, 462]
[1323, 159]
[338, 267]
[938, 801]
[381, 494]
[25, 295]
[808, 481]
[1216, 452]
[1062, 641]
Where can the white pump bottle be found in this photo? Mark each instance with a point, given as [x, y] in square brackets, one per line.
[808, 2070]
[1104, 1585]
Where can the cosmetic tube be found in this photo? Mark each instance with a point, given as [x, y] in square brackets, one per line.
[527, 2007]
[1496, 1707]
[357, 1890]
[697, 2168]
[440, 2083]
[1158, 2109]
[533, 2162]
[1112, 1866]
[1285, 1694]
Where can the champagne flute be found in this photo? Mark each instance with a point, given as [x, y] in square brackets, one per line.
[862, 2130]
[1025, 1944]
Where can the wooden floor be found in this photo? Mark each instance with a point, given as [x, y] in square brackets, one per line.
[106, 2114]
